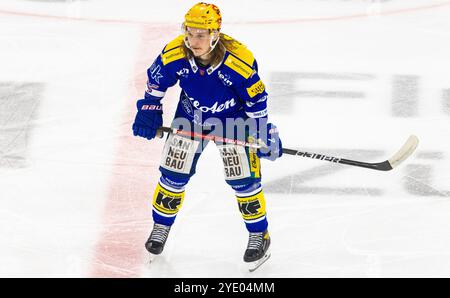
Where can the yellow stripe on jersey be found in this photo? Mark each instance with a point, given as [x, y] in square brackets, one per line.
[256, 88]
[166, 201]
[174, 44]
[238, 66]
[240, 50]
[172, 55]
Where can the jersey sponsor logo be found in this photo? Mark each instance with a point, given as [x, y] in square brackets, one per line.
[183, 72]
[235, 162]
[215, 108]
[254, 165]
[231, 162]
[186, 105]
[225, 78]
[178, 154]
[256, 89]
[239, 67]
[258, 114]
[155, 72]
[169, 182]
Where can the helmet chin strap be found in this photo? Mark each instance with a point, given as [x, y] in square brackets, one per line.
[212, 44]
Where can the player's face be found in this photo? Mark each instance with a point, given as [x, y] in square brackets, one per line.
[199, 40]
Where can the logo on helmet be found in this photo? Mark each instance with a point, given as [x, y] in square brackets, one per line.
[203, 15]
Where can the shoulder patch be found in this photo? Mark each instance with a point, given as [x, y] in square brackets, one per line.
[256, 88]
[241, 51]
[173, 44]
[173, 55]
[238, 66]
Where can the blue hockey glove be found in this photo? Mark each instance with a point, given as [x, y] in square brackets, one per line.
[268, 133]
[148, 118]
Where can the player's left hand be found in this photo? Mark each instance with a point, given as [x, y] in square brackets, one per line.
[268, 134]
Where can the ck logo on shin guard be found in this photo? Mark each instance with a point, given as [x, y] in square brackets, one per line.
[249, 208]
[253, 207]
[167, 202]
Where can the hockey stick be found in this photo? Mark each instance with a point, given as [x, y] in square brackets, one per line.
[405, 151]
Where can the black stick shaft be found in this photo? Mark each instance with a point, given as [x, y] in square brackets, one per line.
[382, 166]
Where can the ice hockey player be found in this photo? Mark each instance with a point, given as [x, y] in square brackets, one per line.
[222, 94]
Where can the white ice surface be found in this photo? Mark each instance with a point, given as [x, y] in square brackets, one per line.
[325, 220]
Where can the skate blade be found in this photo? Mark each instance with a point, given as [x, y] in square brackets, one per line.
[151, 258]
[252, 266]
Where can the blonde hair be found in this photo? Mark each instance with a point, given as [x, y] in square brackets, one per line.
[218, 53]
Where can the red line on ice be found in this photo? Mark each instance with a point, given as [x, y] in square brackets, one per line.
[119, 251]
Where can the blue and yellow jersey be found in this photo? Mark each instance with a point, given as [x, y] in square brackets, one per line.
[232, 89]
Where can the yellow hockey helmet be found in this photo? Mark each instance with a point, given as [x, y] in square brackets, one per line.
[203, 15]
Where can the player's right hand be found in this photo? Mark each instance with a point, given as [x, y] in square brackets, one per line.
[148, 118]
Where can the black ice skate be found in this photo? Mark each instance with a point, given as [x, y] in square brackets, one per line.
[157, 240]
[257, 250]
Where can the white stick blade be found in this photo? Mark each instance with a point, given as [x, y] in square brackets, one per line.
[404, 152]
